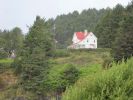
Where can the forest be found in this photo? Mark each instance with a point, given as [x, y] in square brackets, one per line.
[43, 69]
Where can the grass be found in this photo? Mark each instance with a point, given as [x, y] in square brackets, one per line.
[83, 58]
[89, 70]
[88, 62]
[8, 60]
[113, 84]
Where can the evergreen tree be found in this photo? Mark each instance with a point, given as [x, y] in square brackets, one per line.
[124, 44]
[32, 63]
[16, 38]
[107, 28]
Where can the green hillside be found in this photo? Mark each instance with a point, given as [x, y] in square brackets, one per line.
[86, 62]
[113, 84]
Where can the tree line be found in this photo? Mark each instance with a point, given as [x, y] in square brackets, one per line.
[10, 40]
[113, 28]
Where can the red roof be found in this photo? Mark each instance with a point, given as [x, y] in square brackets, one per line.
[81, 35]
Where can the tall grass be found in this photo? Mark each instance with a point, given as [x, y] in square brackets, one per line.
[113, 84]
[6, 60]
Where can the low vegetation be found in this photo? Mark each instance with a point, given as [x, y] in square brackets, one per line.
[113, 84]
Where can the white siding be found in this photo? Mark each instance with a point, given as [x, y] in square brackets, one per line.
[89, 42]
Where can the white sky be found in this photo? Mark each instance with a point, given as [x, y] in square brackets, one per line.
[23, 12]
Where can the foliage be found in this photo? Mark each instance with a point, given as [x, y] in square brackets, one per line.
[61, 77]
[6, 60]
[5, 64]
[61, 53]
[112, 84]
[9, 41]
[3, 54]
[124, 44]
[106, 29]
[107, 63]
[64, 26]
[32, 63]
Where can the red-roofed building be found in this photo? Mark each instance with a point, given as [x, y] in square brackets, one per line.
[84, 40]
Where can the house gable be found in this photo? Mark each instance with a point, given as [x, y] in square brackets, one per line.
[84, 40]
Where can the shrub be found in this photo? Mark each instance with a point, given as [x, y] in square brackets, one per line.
[61, 77]
[61, 53]
[107, 63]
[113, 84]
[5, 64]
[3, 55]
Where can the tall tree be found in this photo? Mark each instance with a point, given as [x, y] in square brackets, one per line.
[107, 28]
[16, 38]
[32, 63]
[11, 40]
[124, 44]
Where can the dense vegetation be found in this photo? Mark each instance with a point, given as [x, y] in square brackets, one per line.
[43, 71]
[113, 84]
[10, 41]
[64, 26]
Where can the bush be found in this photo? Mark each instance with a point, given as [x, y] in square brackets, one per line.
[5, 64]
[3, 55]
[107, 62]
[113, 84]
[61, 53]
[61, 77]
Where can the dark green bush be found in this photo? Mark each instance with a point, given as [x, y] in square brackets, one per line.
[61, 77]
[107, 62]
[3, 55]
[70, 74]
[61, 53]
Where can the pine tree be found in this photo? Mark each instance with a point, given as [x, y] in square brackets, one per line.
[106, 30]
[32, 63]
[123, 48]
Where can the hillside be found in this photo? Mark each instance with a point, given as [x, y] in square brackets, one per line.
[86, 62]
[113, 84]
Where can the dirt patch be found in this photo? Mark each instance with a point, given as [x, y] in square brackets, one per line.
[7, 79]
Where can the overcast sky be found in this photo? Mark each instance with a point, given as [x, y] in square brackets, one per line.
[23, 12]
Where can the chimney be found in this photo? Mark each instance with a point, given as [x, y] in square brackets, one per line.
[86, 32]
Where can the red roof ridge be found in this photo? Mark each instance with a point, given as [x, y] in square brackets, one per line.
[83, 38]
[81, 35]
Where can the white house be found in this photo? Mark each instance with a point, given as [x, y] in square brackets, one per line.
[84, 40]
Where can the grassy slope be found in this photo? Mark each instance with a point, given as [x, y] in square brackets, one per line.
[6, 61]
[83, 58]
[113, 84]
[86, 61]
[9, 82]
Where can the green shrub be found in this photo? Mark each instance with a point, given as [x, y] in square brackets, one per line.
[61, 53]
[3, 55]
[5, 64]
[107, 62]
[61, 77]
[113, 84]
